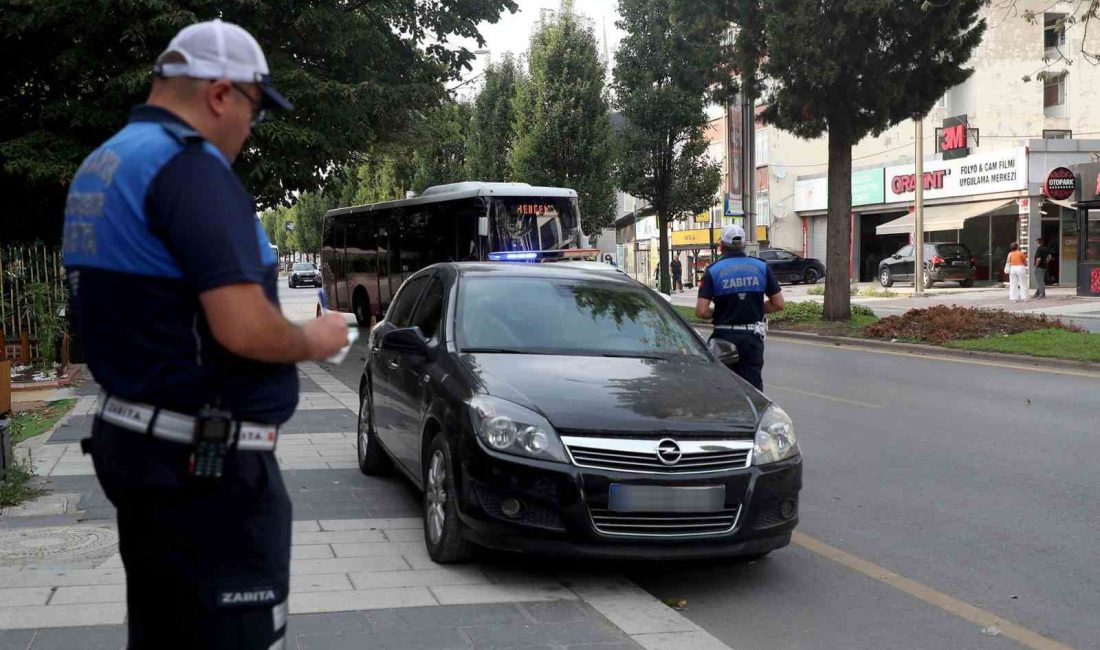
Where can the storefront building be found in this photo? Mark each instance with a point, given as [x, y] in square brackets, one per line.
[1076, 193]
[984, 200]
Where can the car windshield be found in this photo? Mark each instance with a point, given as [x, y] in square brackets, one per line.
[542, 315]
[953, 249]
[303, 266]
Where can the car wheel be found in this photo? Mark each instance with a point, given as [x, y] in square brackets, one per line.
[290, 283]
[928, 282]
[810, 277]
[442, 527]
[885, 278]
[373, 460]
[966, 284]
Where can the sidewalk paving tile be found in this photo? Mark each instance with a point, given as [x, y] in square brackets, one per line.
[474, 594]
[102, 637]
[337, 601]
[366, 580]
[349, 564]
[62, 615]
[89, 594]
[21, 596]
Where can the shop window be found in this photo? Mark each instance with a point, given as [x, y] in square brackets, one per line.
[1057, 134]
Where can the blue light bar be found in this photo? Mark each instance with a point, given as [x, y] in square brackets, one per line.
[517, 256]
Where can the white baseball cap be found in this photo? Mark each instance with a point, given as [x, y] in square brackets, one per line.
[733, 235]
[219, 50]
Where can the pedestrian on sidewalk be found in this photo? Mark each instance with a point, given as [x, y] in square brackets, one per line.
[743, 290]
[1043, 256]
[174, 292]
[677, 277]
[1016, 268]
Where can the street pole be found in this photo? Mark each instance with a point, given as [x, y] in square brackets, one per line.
[918, 212]
[748, 146]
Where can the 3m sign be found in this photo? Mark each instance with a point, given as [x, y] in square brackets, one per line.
[953, 141]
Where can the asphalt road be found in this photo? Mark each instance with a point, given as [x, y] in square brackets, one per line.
[974, 482]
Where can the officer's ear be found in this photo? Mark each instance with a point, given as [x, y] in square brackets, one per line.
[219, 97]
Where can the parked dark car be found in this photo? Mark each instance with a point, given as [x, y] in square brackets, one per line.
[304, 273]
[944, 262]
[560, 409]
[789, 267]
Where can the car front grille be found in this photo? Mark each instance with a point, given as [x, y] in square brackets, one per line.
[665, 456]
[679, 524]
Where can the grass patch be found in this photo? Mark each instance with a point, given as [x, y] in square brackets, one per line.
[689, 315]
[28, 424]
[1051, 343]
[15, 486]
[871, 292]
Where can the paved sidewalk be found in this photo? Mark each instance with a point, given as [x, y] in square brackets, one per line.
[360, 574]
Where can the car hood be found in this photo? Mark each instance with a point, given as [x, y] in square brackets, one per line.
[612, 394]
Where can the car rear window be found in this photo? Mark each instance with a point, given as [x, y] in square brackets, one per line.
[953, 249]
[303, 266]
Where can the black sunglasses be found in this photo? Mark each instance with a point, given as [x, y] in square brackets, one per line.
[258, 112]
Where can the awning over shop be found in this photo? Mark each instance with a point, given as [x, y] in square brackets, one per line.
[943, 217]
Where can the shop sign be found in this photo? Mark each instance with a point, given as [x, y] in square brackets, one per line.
[698, 237]
[953, 139]
[1090, 181]
[987, 173]
[868, 188]
[1061, 184]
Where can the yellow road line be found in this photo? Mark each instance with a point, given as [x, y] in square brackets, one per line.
[821, 396]
[968, 612]
[936, 357]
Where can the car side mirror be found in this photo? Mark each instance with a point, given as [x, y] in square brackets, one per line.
[725, 351]
[407, 340]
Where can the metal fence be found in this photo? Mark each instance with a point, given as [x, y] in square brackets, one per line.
[21, 267]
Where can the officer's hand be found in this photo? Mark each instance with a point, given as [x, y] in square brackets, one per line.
[326, 335]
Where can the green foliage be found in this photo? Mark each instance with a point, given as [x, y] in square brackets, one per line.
[439, 155]
[492, 121]
[562, 128]
[797, 312]
[356, 71]
[15, 487]
[309, 213]
[41, 303]
[660, 90]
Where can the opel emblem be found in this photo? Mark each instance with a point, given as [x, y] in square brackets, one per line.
[668, 452]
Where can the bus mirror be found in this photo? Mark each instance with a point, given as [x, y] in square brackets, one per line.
[483, 226]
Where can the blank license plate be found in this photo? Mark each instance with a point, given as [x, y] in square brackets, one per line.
[959, 263]
[659, 498]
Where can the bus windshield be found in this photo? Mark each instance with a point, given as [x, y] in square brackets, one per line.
[533, 223]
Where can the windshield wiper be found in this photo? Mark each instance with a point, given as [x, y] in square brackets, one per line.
[633, 355]
[496, 351]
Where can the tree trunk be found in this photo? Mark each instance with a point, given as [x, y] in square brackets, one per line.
[838, 302]
[662, 253]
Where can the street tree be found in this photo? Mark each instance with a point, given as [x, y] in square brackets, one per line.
[491, 124]
[562, 128]
[439, 154]
[845, 69]
[355, 70]
[661, 150]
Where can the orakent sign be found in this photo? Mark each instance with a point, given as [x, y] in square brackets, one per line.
[986, 173]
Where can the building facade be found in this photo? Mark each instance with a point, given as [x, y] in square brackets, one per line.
[1017, 117]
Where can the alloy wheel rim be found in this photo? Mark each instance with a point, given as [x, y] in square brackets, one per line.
[436, 494]
[364, 427]
[885, 276]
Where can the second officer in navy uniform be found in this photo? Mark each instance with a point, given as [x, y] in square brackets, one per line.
[174, 293]
[743, 290]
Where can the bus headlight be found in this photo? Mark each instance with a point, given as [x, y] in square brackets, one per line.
[510, 428]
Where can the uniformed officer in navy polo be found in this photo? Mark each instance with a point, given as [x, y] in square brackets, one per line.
[743, 290]
[174, 292]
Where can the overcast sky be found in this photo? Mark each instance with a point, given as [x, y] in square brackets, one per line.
[512, 32]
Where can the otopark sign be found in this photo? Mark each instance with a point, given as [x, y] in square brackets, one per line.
[1060, 184]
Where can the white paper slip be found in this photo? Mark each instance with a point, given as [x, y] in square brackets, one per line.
[339, 357]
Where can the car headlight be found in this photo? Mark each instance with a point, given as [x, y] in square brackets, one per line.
[504, 426]
[775, 439]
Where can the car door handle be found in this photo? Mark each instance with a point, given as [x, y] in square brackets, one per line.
[392, 363]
